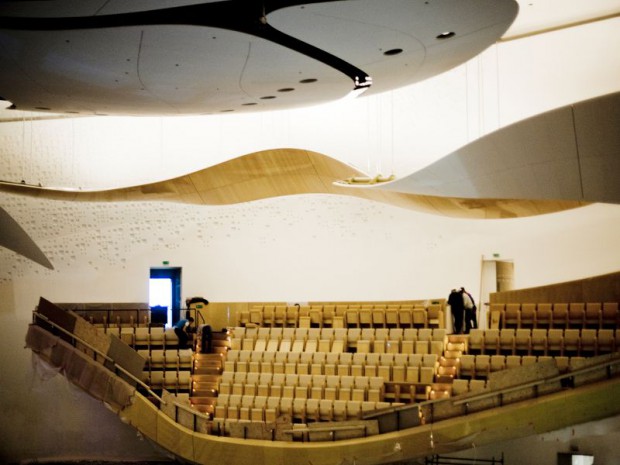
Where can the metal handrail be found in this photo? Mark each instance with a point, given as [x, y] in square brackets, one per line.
[325, 429]
[498, 393]
[120, 368]
[430, 403]
[98, 352]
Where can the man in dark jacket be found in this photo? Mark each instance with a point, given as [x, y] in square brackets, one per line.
[470, 311]
[455, 300]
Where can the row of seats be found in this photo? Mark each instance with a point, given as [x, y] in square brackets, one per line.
[106, 314]
[340, 346]
[362, 388]
[400, 367]
[597, 315]
[343, 358]
[344, 316]
[394, 340]
[114, 324]
[144, 336]
[172, 380]
[167, 358]
[348, 334]
[268, 409]
[540, 341]
[463, 386]
[480, 366]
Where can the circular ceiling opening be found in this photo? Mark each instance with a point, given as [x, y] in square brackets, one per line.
[308, 81]
[393, 51]
[446, 35]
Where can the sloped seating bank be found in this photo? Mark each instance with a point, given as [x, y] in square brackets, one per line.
[110, 370]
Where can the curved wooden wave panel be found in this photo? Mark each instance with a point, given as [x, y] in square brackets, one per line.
[281, 172]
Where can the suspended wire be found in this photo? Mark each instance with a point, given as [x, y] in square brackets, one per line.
[368, 132]
[467, 126]
[499, 119]
[161, 141]
[73, 162]
[380, 138]
[23, 154]
[481, 124]
[392, 131]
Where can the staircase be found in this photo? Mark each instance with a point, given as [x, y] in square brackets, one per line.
[206, 371]
[448, 366]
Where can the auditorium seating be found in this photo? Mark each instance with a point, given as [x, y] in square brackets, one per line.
[539, 341]
[380, 315]
[333, 362]
[558, 315]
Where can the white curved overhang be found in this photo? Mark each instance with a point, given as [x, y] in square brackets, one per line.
[572, 153]
[230, 56]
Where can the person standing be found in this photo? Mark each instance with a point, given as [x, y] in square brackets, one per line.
[205, 333]
[470, 311]
[455, 300]
[182, 329]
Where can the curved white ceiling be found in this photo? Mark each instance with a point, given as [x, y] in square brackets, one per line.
[210, 57]
[572, 153]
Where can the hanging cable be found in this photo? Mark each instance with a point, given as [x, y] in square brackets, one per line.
[499, 119]
[467, 128]
[368, 132]
[480, 99]
[392, 132]
[73, 167]
[23, 155]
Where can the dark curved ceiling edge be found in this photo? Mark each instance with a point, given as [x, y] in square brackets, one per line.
[235, 15]
[15, 238]
[78, 80]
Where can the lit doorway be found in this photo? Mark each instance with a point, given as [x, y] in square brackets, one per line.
[165, 295]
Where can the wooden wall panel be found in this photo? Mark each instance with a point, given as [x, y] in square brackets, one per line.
[604, 288]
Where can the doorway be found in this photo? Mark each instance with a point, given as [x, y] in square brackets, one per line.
[497, 275]
[165, 295]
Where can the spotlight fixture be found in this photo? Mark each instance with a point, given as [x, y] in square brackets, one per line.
[446, 35]
[393, 51]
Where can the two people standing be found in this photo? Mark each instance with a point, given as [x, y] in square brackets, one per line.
[463, 309]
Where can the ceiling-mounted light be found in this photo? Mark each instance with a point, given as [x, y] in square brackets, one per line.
[364, 82]
[446, 35]
[393, 51]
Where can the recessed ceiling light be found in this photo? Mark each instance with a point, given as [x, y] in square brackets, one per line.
[286, 89]
[42, 108]
[268, 97]
[446, 35]
[226, 111]
[249, 104]
[393, 51]
[308, 81]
